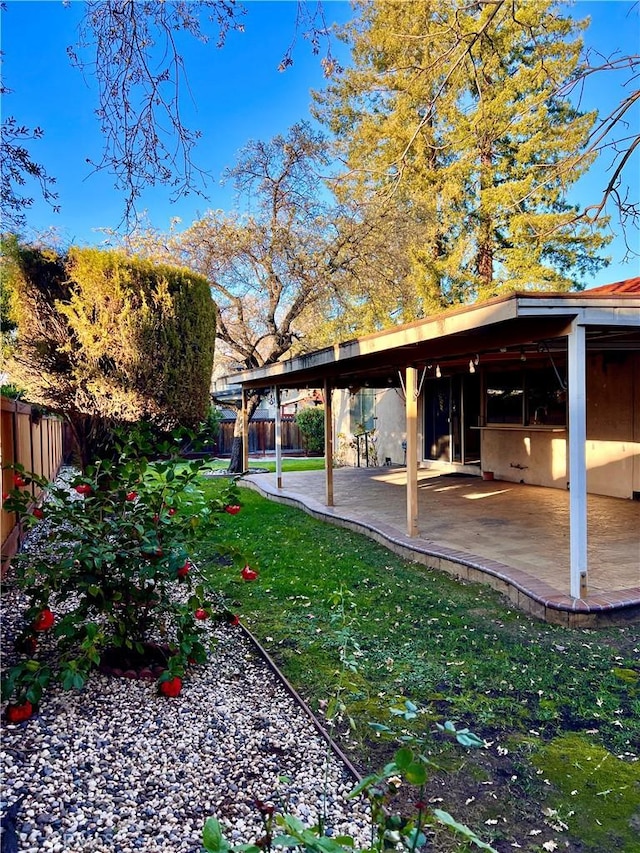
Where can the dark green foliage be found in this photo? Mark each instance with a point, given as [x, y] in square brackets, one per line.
[103, 338]
[311, 424]
[104, 578]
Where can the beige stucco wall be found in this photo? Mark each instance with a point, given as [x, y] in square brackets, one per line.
[535, 455]
[613, 423]
[539, 457]
[390, 427]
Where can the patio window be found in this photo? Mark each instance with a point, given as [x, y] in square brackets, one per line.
[505, 397]
[526, 397]
[363, 410]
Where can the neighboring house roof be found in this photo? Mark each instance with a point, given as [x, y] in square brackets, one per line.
[629, 285]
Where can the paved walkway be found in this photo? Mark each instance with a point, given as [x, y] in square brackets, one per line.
[512, 536]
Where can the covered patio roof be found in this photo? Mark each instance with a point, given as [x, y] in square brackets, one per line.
[521, 325]
[496, 330]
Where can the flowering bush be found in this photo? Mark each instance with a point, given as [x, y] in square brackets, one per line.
[110, 568]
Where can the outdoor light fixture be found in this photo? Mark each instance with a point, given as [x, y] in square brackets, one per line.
[438, 371]
[522, 355]
[473, 362]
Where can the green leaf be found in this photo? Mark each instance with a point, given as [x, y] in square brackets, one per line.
[415, 773]
[212, 837]
[345, 840]
[363, 785]
[403, 757]
[67, 679]
[469, 739]
[285, 841]
[292, 823]
[34, 693]
[446, 819]
[416, 839]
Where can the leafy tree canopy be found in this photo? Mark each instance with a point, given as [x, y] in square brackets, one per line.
[452, 116]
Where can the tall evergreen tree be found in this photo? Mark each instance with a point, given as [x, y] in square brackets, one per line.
[451, 115]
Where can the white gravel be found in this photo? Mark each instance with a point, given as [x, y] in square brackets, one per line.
[117, 768]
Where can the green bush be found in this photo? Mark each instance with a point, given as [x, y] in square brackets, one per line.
[113, 570]
[102, 339]
[311, 424]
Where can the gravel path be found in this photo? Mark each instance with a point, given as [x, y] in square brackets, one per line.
[118, 768]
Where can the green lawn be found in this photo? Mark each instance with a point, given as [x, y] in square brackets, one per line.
[459, 652]
[297, 463]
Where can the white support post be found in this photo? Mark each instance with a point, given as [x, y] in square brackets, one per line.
[577, 460]
[278, 438]
[245, 432]
[411, 394]
[328, 443]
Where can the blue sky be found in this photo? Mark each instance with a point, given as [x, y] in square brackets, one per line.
[238, 95]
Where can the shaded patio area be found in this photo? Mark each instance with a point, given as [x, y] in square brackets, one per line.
[513, 537]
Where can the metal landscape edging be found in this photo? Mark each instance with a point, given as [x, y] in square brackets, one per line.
[297, 698]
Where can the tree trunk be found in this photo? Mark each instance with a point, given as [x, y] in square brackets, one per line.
[235, 463]
[484, 258]
[91, 437]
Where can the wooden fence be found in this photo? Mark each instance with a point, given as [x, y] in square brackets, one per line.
[30, 439]
[262, 436]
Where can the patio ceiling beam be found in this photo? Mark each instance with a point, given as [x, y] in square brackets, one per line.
[614, 314]
[343, 370]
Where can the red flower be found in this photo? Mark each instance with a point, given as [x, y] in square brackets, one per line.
[172, 511]
[183, 571]
[44, 620]
[131, 496]
[232, 509]
[83, 489]
[38, 513]
[5, 496]
[171, 687]
[233, 619]
[18, 713]
[156, 518]
[201, 613]
[19, 481]
[248, 574]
